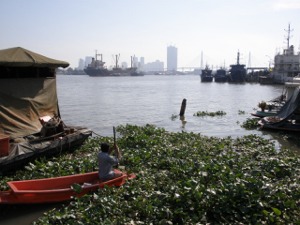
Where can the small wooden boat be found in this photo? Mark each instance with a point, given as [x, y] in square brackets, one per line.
[288, 118]
[262, 114]
[273, 107]
[276, 123]
[57, 189]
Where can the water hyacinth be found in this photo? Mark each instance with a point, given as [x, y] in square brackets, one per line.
[212, 114]
[251, 123]
[182, 178]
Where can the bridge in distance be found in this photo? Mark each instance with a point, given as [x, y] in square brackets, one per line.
[198, 68]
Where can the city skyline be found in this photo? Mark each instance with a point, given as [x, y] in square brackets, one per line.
[217, 29]
[140, 64]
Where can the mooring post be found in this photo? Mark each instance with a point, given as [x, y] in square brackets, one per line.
[183, 106]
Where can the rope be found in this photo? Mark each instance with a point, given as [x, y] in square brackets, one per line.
[97, 134]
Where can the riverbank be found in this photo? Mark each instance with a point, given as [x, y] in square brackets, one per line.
[181, 178]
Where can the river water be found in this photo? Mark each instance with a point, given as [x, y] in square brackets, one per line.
[103, 102]
[100, 103]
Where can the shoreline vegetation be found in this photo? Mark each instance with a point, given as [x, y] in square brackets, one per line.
[182, 178]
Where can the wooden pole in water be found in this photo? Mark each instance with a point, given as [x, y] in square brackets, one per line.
[183, 106]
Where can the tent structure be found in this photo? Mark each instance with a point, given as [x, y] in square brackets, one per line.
[27, 91]
[28, 95]
[21, 57]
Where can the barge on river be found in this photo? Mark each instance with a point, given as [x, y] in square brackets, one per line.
[30, 122]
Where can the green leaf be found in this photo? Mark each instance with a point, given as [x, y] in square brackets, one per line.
[76, 187]
[276, 211]
[265, 212]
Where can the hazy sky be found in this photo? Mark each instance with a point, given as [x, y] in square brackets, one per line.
[72, 29]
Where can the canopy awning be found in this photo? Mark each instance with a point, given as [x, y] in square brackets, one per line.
[20, 57]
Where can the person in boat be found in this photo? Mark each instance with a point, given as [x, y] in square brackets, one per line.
[106, 162]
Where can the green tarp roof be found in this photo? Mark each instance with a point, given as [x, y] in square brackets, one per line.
[20, 57]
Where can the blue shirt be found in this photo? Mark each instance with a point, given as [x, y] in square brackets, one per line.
[106, 163]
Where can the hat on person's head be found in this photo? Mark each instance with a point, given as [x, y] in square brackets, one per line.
[104, 147]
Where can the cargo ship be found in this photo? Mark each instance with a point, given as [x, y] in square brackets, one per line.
[96, 67]
[118, 71]
[221, 75]
[206, 75]
[237, 72]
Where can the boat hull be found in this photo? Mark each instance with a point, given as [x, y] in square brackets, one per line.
[238, 76]
[96, 72]
[237, 72]
[289, 127]
[206, 75]
[221, 76]
[221, 79]
[262, 114]
[282, 125]
[24, 152]
[59, 189]
[207, 79]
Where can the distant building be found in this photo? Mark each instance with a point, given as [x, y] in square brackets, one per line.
[135, 61]
[138, 64]
[171, 58]
[88, 60]
[80, 64]
[141, 64]
[156, 66]
[124, 65]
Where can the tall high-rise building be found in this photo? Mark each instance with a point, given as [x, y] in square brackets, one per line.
[80, 64]
[141, 64]
[171, 58]
[88, 60]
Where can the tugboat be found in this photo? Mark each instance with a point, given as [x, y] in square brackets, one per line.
[96, 67]
[237, 72]
[221, 75]
[206, 75]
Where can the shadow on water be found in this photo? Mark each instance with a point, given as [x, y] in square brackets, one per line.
[284, 140]
[23, 214]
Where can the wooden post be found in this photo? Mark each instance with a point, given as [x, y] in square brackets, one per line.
[183, 106]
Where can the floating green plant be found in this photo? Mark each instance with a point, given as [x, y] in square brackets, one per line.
[206, 113]
[182, 178]
[250, 123]
[174, 117]
[241, 112]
